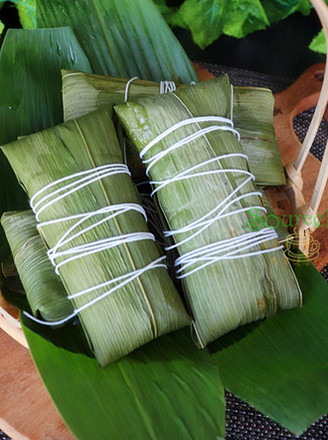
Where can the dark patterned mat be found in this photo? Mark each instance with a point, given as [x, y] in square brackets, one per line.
[243, 421]
[241, 77]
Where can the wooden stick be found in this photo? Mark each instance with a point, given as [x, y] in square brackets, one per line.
[322, 12]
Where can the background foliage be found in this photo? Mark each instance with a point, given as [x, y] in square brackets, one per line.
[209, 19]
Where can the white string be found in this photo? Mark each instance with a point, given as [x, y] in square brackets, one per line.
[181, 124]
[231, 248]
[83, 251]
[228, 249]
[126, 96]
[91, 176]
[186, 174]
[154, 159]
[122, 280]
[127, 87]
[166, 87]
[43, 199]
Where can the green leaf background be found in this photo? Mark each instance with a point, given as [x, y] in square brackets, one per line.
[121, 37]
[167, 389]
[318, 43]
[209, 19]
[27, 12]
[1, 24]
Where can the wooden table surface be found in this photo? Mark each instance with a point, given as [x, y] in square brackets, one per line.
[26, 410]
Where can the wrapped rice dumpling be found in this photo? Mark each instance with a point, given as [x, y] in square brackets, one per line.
[44, 290]
[253, 115]
[95, 229]
[232, 274]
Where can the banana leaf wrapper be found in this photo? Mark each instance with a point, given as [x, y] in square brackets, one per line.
[148, 306]
[45, 292]
[227, 293]
[253, 116]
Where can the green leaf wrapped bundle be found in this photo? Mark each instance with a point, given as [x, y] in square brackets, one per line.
[44, 290]
[92, 222]
[231, 274]
[253, 115]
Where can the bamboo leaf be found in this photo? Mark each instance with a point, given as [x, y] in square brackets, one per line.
[30, 95]
[280, 365]
[167, 389]
[46, 294]
[253, 118]
[121, 37]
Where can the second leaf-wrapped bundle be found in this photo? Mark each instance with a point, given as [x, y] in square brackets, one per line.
[231, 273]
[91, 220]
[44, 290]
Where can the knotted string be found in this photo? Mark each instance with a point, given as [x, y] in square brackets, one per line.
[167, 87]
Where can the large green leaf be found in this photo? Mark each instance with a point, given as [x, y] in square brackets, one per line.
[171, 14]
[318, 44]
[277, 10]
[167, 389]
[208, 19]
[121, 37]
[30, 95]
[280, 366]
[30, 90]
[27, 11]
